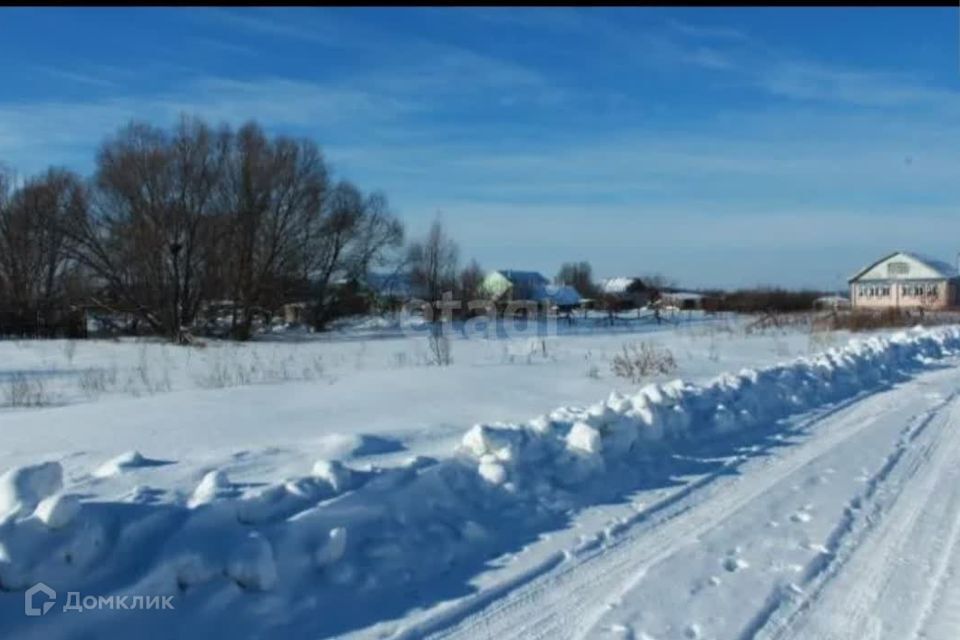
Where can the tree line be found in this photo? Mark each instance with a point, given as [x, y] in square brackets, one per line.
[173, 220]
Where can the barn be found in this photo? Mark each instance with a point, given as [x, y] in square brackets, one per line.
[905, 280]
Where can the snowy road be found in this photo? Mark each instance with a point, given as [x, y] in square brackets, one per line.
[850, 531]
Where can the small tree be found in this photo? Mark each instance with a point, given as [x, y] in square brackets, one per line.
[433, 265]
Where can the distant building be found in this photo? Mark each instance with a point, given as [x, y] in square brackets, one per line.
[831, 303]
[510, 284]
[560, 296]
[905, 280]
[625, 292]
[682, 299]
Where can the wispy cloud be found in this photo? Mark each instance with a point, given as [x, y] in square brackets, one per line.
[76, 77]
[37, 132]
[807, 80]
[303, 27]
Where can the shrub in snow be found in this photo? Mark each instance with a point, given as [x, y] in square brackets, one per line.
[22, 391]
[643, 360]
[22, 488]
[440, 351]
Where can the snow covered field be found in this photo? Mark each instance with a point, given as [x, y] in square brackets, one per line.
[322, 487]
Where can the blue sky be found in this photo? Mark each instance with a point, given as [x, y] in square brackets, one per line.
[721, 147]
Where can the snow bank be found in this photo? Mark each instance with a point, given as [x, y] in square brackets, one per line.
[352, 533]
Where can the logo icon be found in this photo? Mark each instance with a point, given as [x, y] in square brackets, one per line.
[28, 598]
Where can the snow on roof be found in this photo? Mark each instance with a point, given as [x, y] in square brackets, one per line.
[943, 269]
[619, 285]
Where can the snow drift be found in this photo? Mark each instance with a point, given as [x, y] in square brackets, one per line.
[315, 553]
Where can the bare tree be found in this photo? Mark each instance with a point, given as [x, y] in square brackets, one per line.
[433, 264]
[578, 275]
[148, 235]
[271, 195]
[34, 260]
[355, 233]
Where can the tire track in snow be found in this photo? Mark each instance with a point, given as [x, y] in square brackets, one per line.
[887, 554]
[566, 601]
[941, 618]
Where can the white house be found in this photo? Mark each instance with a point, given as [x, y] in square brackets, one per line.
[905, 280]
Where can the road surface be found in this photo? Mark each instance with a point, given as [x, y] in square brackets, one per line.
[848, 529]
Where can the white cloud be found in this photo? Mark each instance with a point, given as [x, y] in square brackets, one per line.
[812, 81]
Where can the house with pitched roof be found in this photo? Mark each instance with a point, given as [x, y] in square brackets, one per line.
[506, 285]
[905, 279]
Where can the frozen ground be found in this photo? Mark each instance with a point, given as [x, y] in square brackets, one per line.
[781, 501]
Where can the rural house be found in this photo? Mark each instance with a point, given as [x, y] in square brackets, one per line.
[625, 293]
[509, 284]
[905, 280]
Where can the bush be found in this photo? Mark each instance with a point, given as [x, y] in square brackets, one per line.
[21, 391]
[863, 320]
[763, 300]
[639, 361]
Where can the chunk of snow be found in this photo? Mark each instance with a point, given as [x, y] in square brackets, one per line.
[214, 484]
[339, 477]
[124, 461]
[58, 511]
[22, 488]
[492, 472]
[583, 437]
